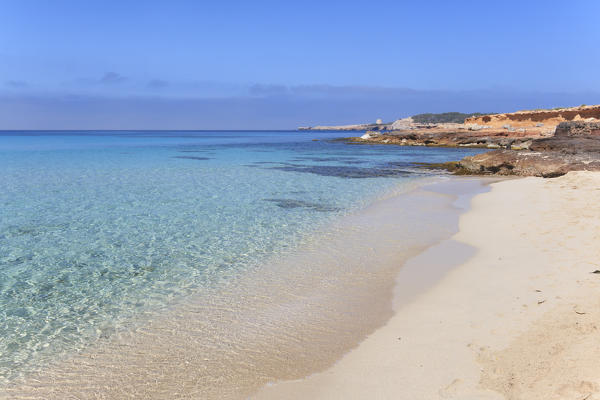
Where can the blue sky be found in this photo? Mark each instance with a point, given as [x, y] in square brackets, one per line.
[278, 64]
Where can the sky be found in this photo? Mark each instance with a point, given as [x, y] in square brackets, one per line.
[281, 64]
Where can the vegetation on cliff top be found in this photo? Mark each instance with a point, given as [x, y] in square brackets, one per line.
[447, 117]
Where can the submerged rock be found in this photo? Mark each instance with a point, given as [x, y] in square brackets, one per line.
[293, 203]
[193, 158]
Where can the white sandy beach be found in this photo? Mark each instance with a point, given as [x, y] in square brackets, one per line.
[517, 320]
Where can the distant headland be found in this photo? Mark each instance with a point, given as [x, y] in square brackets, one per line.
[541, 142]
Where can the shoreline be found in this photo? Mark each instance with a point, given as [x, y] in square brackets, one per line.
[325, 313]
[517, 320]
[571, 146]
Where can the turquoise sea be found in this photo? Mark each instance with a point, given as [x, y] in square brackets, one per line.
[98, 228]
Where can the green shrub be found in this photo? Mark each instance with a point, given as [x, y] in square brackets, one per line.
[447, 117]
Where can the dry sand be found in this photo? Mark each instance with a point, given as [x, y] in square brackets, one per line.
[517, 320]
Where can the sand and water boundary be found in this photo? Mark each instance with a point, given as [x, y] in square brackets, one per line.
[517, 320]
[293, 317]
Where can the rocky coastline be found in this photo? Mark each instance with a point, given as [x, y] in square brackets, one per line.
[546, 143]
[574, 147]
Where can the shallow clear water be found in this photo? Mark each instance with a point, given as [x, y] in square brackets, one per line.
[98, 227]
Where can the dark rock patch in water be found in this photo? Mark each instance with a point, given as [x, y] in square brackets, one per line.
[31, 230]
[293, 203]
[344, 171]
[396, 164]
[327, 159]
[193, 158]
[351, 162]
[267, 162]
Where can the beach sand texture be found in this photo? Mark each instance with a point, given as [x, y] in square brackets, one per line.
[518, 320]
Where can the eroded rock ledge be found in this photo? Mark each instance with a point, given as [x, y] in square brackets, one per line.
[574, 147]
[490, 139]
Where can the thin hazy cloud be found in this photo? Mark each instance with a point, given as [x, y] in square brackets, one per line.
[17, 84]
[112, 78]
[157, 84]
[80, 111]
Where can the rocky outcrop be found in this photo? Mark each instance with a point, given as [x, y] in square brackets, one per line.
[432, 137]
[402, 124]
[578, 128]
[575, 147]
[567, 145]
[526, 163]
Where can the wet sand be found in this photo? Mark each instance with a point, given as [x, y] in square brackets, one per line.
[519, 319]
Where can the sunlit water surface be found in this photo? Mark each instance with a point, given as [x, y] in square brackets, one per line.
[99, 229]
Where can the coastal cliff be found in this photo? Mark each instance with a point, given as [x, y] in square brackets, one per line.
[533, 117]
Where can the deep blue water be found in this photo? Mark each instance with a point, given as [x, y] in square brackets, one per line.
[96, 227]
